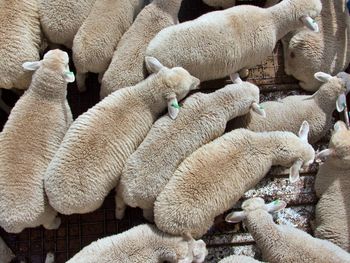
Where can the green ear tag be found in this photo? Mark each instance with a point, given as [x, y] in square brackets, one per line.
[261, 107]
[69, 72]
[175, 105]
[276, 202]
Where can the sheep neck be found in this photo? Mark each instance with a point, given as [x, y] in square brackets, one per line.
[286, 18]
[170, 6]
[49, 85]
[326, 97]
[261, 226]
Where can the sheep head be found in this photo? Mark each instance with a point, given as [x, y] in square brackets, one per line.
[254, 204]
[56, 60]
[307, 11]
[177, 83]
[339, 146]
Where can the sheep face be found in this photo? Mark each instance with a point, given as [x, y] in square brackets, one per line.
[339, 146]
[55, 60]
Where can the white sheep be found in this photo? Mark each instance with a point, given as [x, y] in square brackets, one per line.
[306, 53]
[214, 177]
[61, 19]
[143, 244]
[220, 43]
[287, 114]
[6, 255]
[97, 38]
[203, 118]
[19, 42]
[29, 140]
[332, 186]
[127, 67]
[281, 243]
[91, 157]
[238, 259]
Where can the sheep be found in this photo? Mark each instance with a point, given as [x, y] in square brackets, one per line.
[143, 243]
[6, 255]
[127, 67]
[287, 114]
[238, 259]
[231, 3]
[20, 36]
[203, 118]
[220, 43]
[29, 140]
[332, 187]
[284, 243]
[214, 177]
[61, 19]
[97, 38]
[90, 159]
[306, 53]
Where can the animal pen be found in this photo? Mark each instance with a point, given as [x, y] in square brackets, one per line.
[223, 239]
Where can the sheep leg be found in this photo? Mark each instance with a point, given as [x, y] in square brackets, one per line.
[55, 224]
[148, 214]
[6, 255]
[81, 77]
[243, 73]
[3, 105]
[100, 76]
[50, 258]
[120, 206]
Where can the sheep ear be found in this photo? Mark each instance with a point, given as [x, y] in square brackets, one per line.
[153, 65]
[325, 154]
[341, 102]
[69, 76]
[235, 78]
[173, 106]
[340, 126]
[258, 109]
[34, 65]
[275, 206]
[310, 23]
[323, 77]
[294, 171]
[304, 131]
[235, 217]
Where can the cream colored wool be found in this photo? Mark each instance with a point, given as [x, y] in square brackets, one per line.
[93, 153]
[288, 114]
[6, 255]
[19, 42]
[142, 244]
[202, 118]
[213, 178]
[220, 43]
[61, 19]
[97, 38]
[281, 243]
[332, 186]
[29, 140]
[307, 52]
[127, 67]
[238, 259]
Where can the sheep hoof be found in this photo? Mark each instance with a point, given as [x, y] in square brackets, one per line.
[50, 258]
[119, 213]
[148, 215]
[244, 73]
[55, 224]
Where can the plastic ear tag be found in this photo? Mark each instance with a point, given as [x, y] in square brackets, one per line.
[175, 105]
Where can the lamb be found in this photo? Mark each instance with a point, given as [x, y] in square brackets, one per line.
[220, 43]
[239, 259]
[61, 19]
[20, 42]
[143, 243]
[29, 140]
[97, 38]
[332, 187]
[203, 118]
[284, 243]
[306, 53]
[287, 114]
[214, 177]
[91, 157]
[127, 67]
